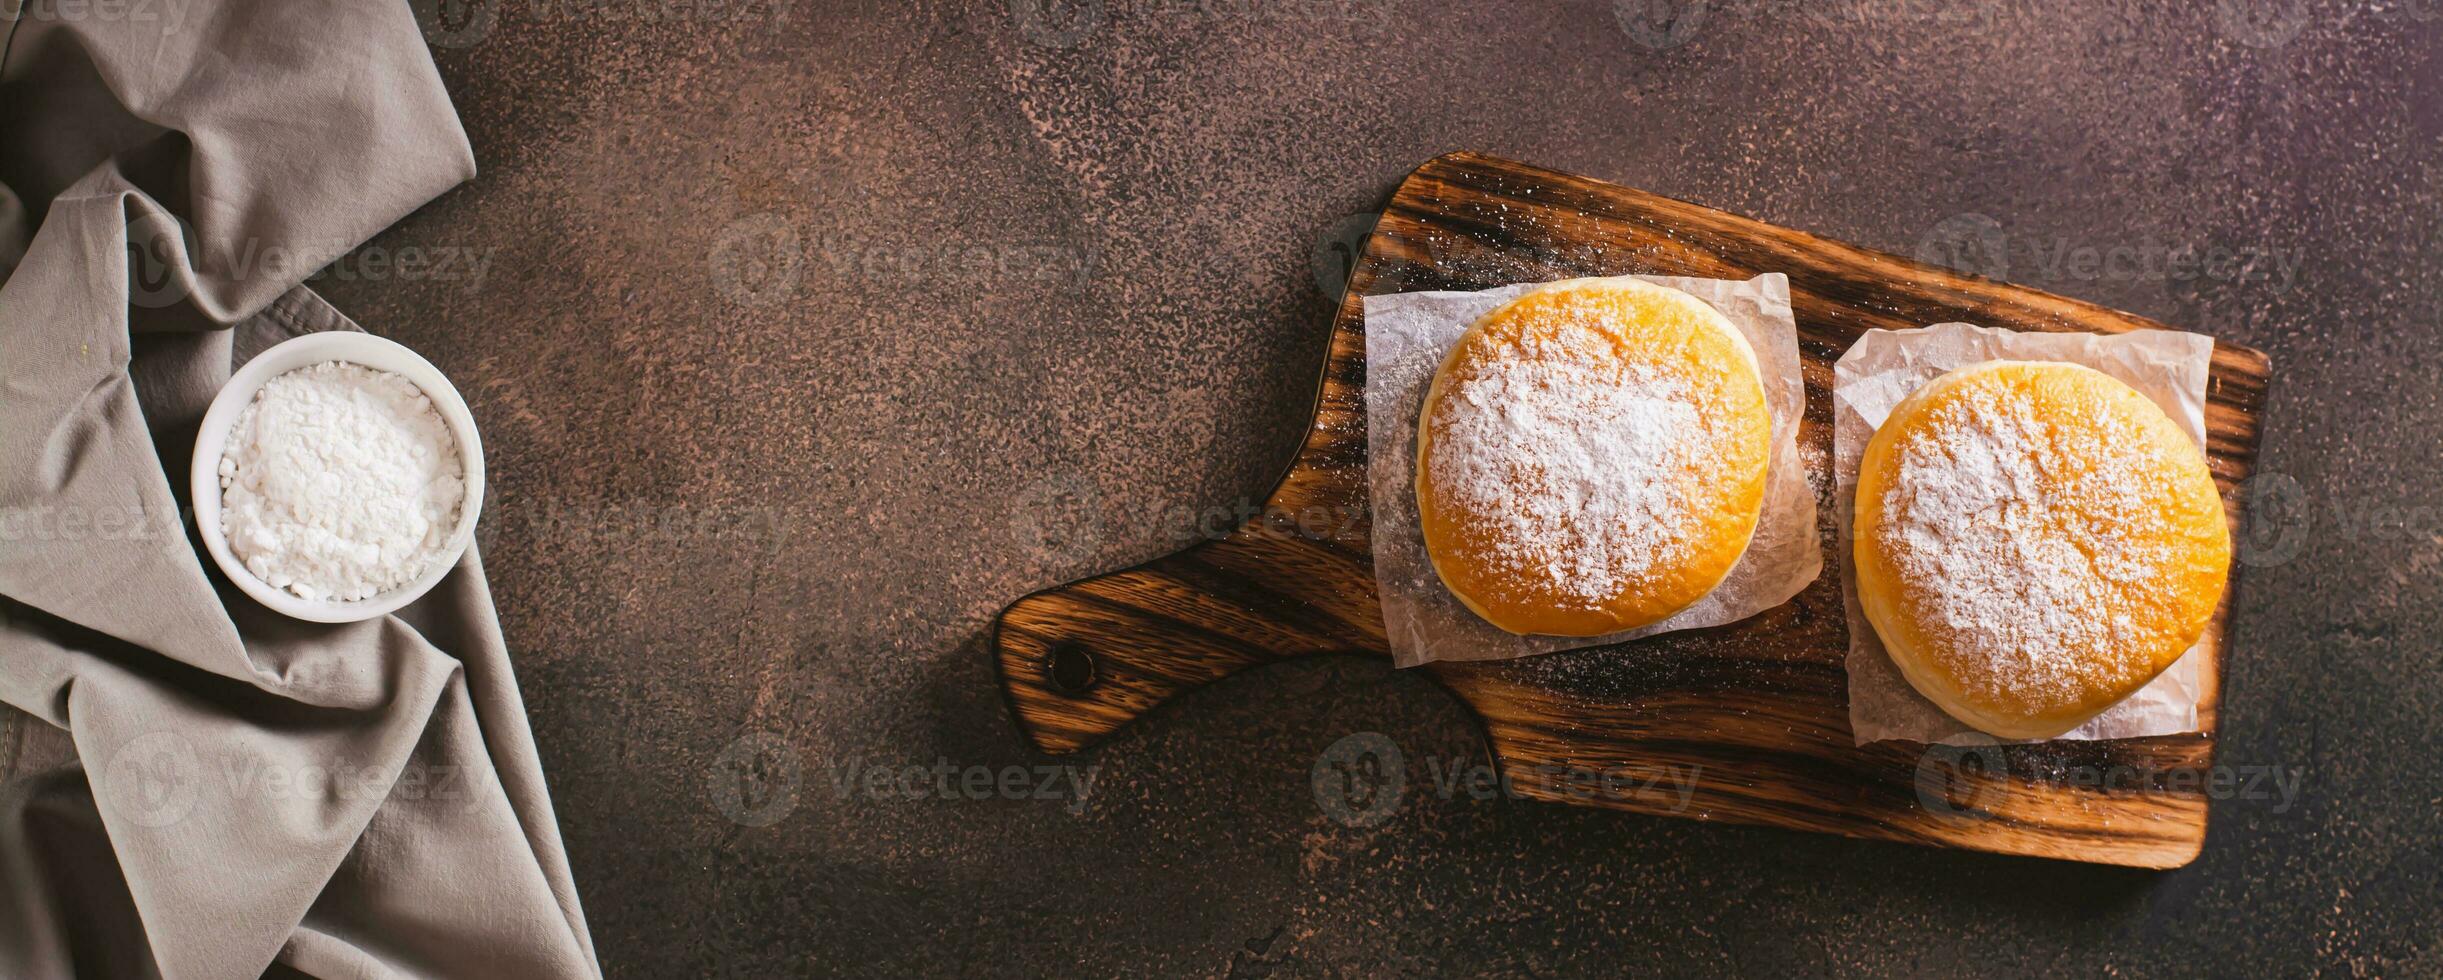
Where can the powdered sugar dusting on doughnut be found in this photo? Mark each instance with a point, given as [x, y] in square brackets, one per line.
[2020, 538]
[1573, 462]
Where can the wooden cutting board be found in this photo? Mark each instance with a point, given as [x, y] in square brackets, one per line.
[1757, 711]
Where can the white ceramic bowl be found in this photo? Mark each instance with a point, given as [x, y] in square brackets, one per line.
[316, 348]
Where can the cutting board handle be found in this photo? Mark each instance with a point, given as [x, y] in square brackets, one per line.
[1295, 579]
[1083, 659]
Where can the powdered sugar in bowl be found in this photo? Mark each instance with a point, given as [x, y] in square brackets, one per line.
[337, 477]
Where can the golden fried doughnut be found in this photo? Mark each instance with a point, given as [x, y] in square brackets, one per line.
[1591, 457]
[2034, 542]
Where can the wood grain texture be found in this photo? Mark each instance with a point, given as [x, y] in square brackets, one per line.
[1746, 723]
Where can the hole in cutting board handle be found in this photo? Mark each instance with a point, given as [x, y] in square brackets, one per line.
[1071, 669]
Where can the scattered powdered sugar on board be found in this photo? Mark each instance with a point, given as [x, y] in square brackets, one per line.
[2019, 545]
[339, 482]
[1573, 462]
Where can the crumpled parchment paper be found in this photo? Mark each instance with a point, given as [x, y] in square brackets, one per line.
[1407, 335]
[1883, 368]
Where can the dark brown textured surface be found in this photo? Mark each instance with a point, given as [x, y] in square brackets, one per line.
[1757, 711]
[710, 519]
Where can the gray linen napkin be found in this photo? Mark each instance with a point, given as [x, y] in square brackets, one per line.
[198, 787]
